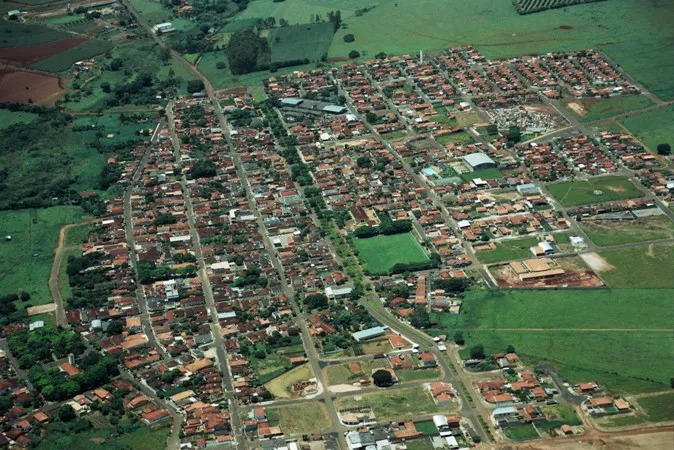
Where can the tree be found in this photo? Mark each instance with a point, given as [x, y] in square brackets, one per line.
[316, 301]
[514, 134]
[220, 65]
[380, 55]
[25, 296]
[382, 378]
[247, 51]
[458, 338]
[664, 149]
[115, 327]
[371, 117]
[420, 318]
[195, 86]
[66, 413]
[353, 54]
[349, 38]
[510, 349]
[477, 352]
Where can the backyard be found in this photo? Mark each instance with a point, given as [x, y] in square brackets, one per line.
[380, 253]
[594, 190]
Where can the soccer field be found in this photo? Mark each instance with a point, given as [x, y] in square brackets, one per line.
[380, 253]
[594, 190]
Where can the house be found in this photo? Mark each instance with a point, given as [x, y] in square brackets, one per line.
[427, 359]
[357, 440]
[504, 416]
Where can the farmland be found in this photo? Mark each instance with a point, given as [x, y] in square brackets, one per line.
[380, 253]
[21, 57]
[26, 35]
[614, 233]
[640, 267]
[65, 59]
[304, 418]
[405, 404]
[595, 109]
[594, 190]
[25, 261]
[8, 118]
[29, 87]
[532, 6]
[652, 127]
[300, 42]
[601, 335]
[507, 250]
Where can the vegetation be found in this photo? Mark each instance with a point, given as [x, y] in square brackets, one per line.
[652, 127]
[639, 267]
[656, 408]
[532, 6]
[615, 233]
[305, 418]
[401, 404]
[381, 253]
[63, 60]
[382, 378]
[596, 109]
[247, 52]
[300, 44]
[508, 250]
[594, 190]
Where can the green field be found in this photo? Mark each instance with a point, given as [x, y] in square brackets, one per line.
[405, 404]
[63, 61]
[652, 127]
[613, 337]
[575, 193]
[508, 250]
[305, 418]
[614, 233]
[596, 109]
[298, 42]
[380, 253]
[13, 34]
[521, 432]
[649, 266]
[8, 117]
[152, 11]
[485, 174]
[656, 408]
[143, 438]
[460, 138]
[26, 260]
[340, 373]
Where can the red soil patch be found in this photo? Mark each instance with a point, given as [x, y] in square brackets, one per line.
[565, 27]
[43, 89]
[26, 56]
[338, 59]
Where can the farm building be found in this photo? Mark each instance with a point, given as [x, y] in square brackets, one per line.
[370, 333]
[165, 27]
[478, 161]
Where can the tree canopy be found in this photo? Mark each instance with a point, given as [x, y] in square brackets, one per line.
[247, 52]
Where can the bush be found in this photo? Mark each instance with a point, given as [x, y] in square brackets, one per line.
[349, 38]
[195, 86]
[353, 54]
[220, 65]
[382, 378]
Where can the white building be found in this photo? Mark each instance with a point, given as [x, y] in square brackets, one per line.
[165, 27]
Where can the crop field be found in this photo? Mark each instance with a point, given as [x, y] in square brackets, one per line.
[13, 34]
[532, 6]
[298, 42]
[23, 86]
[281, 386]
[652, 127]
[63, 60]
[614, 233]
[22, 57]
[405, 404]
[153, 11]
[380, 253]
[595, 109]
[620, 338]
[8, 118]
[305, 418]
[640, 267]
[508, 250]
[610, 188]
[300, 11]
[26, 260]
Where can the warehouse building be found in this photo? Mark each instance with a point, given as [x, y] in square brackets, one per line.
[479, 161]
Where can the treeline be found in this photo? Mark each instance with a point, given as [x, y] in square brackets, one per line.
[148, 272]
[387, 227]
[433, 263]
[9, 313]
[90, 287]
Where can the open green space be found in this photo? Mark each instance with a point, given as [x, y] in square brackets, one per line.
[301, 11]
[340, 373]
[64, 19]
[652, 127]
[654, 408]
[153, 11]
[300, 42]
[598, 108]
[140, 438]
[407, 375]
[305, 418]
[562, 413]
[649, 266]
[594, 190]
[76, 235]
[14, 34]
[8, 118]
[617, 337]
[605, 233]
[459, 138]
[281, 387]
[26, 260]
[508, 250]
[521, 432]
[484, 174]
[402, 404]
[63, 60]
[380, 253]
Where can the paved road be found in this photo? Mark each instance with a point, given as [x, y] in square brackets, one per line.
[4, 346]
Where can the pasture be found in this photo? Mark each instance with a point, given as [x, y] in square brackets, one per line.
[304, 418]
[595, 109]
[650, 266]
[14, 34]
[300, 42]
[380, 253]
[615, 233]
[619, 338]
[652, 127]
[8, 118]
[62, 61]
[403, 404]
[594, 190]
[26, 260]
[508, 250]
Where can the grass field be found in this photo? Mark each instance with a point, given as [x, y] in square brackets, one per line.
[25, 261]
[460, 138]
[574, 193]
[656, 408]
[295, 42]
[305, 418]
[380, 253]
[8, 117]
[652, 127]
[77, 235]
[507, 250]
[63, 61]
[614, 233]
[521, 432]
[610, 336]
[281, 386]
[340, 373]
[218, 77]
[485, 174]
[407, 375]
[596, 109]
[404, 404]
[563, 413]
[13, 34]
[153, 11]
[143, 438]
[651, 266]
